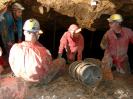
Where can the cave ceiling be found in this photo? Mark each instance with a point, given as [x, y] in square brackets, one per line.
[64, 12]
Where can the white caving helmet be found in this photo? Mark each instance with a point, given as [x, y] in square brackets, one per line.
[17, 6]
[32, 25]
[75, 28]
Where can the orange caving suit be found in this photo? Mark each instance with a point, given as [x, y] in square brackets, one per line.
[72, 46]
[116, 48]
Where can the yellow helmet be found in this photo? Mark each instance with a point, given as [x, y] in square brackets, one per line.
[115, 17]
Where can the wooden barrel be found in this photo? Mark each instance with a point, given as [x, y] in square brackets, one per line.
[85, 72]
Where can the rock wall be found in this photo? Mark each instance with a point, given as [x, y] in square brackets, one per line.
[65, 12]
[4, 4]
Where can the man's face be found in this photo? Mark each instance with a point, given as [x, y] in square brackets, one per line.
[32, 37]
[76, 35]
[113, 25]
[17, 13]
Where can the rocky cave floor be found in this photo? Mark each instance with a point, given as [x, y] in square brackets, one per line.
[64, 87]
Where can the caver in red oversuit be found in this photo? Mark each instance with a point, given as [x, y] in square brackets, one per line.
[115, 43]
[30, 60]
[73, 42]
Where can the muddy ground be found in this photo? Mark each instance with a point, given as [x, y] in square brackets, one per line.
[65, 87]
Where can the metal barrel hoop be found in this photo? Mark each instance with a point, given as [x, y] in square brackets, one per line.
[87, 73]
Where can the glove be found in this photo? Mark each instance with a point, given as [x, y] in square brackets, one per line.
[59, 55]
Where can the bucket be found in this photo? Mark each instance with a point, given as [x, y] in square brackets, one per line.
[85, 72]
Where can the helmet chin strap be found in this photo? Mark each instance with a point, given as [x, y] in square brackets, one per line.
[38, 37]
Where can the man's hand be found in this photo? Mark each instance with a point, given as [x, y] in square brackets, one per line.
[104, 43]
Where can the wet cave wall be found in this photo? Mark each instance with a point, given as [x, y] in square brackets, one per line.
[55, 16]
